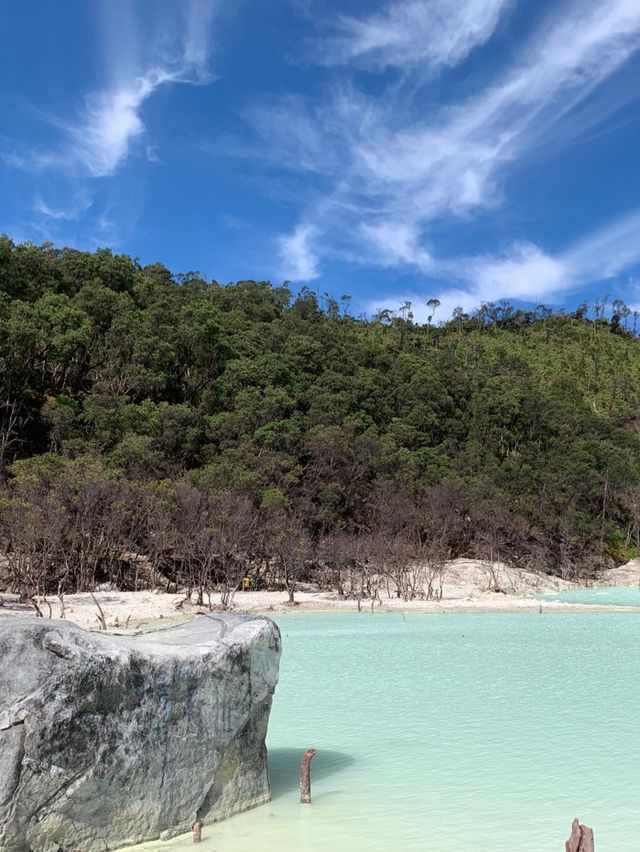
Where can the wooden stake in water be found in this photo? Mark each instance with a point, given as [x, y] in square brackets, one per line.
[581, 839]
[305, 776]
[197, 831]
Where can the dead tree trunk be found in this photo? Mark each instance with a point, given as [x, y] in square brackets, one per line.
[305, 776]
[581, 839]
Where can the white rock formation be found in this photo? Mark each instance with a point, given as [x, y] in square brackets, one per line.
[109, 740]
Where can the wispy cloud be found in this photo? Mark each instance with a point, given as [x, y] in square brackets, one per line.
[431, 33]
[298, 258]
[197, 41]
[392, 168]
[607, 252]
[141, 57]
[525, 272]
[98, 140]
[451, 163]
[397, 244]
[74, 208]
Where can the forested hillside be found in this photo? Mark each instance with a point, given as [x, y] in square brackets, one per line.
[215, 429]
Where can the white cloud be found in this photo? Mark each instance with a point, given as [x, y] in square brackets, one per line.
[525, 272]
[384, 159]
[141, 57]
[451, 163]
[298, 257]
[101, 139]
[197, 42]
[98, 141]
[73, 210]
[152, 154]
[608, 252]
[396, 244]
[431, 33]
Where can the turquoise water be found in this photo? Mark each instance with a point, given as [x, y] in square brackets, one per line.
[483, 732]
[604, 595]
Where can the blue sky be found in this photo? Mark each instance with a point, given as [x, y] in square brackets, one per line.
[464, 150]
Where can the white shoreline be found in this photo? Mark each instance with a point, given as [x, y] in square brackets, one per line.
[464, 591]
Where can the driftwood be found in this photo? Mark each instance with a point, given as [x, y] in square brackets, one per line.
[581, 839]
[305, 776]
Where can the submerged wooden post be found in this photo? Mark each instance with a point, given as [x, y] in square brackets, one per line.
[581, 839]
[305, 776]
[197, 831]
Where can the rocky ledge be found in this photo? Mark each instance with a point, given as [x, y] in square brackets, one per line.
[109, 740]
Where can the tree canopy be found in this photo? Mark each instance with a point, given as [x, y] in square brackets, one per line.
[135, 403]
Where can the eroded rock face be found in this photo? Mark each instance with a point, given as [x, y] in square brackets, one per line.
[112, 740]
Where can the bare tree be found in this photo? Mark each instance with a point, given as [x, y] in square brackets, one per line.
[12, 423]
[32, 534]
[236, 526]
[288, 541]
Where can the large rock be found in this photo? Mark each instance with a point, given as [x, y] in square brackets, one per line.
[110, 740]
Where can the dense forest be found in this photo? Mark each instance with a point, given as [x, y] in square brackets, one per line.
[158, 426]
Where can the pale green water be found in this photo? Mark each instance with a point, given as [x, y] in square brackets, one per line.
[603, 595]
[485, 732]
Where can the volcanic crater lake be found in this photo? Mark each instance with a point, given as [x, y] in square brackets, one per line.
[599, 595]
[484, 732]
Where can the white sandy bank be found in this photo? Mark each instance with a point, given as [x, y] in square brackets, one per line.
[466, 587]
